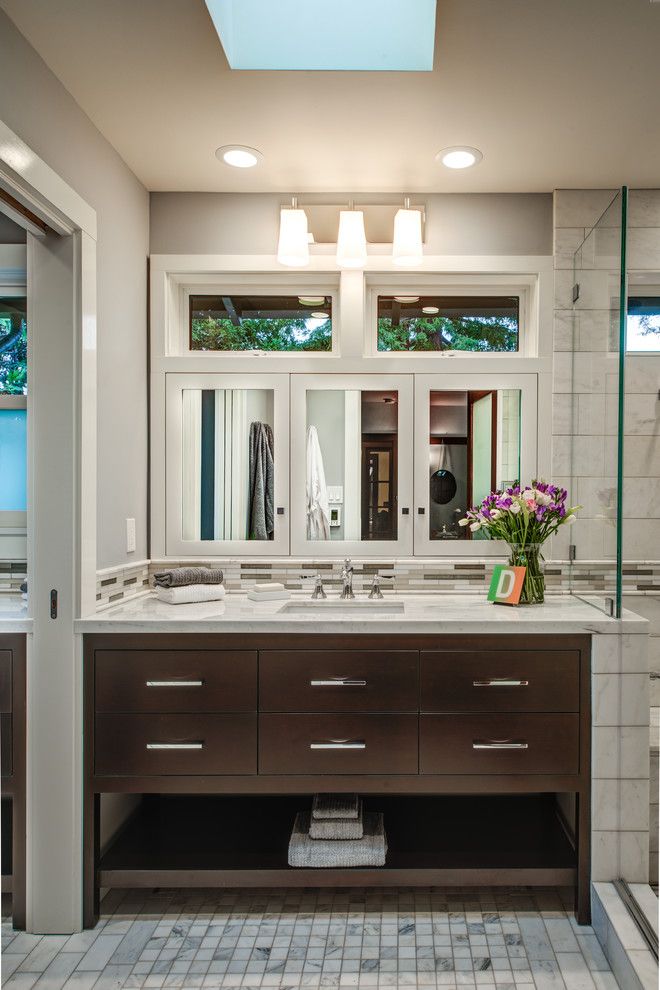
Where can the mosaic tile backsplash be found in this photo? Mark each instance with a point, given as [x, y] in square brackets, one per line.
[411, 576]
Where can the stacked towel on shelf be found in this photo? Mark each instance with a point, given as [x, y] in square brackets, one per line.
[370, 850]
[24, 594]
[268, 591]
[191, 593]
[336, 816]
[178, 577]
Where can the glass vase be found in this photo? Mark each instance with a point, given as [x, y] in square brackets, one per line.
[529, 555]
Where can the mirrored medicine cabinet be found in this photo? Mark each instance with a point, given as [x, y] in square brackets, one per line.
[325, 465]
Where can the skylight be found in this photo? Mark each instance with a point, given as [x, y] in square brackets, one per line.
[326, 35]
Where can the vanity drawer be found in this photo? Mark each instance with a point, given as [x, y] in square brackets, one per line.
[5, 681]
[146, 745]
[493, 743]
[338, 680]
[500, 680]
[6, 746]
[336, 744]
[176, 681]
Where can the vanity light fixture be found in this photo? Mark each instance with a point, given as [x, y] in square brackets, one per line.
[460, 156]
[407, 242]
[239, 155]
[293, 244]
[351, 239]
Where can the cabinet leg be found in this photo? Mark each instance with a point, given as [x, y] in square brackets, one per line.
[91, 833]
[583, 843]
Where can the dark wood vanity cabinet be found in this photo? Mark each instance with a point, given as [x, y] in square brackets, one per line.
[463, 741]
[12, 760]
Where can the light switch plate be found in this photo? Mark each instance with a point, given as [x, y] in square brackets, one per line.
[130, 536]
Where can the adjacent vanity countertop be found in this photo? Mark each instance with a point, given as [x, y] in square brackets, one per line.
[13, 615]
[437, 613]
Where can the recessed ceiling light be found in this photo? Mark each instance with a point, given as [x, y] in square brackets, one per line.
[407, 299]
[459, 157]
[319, 316]
[239, 156]
[430, 310]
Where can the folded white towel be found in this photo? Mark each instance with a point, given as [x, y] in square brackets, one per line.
[191, 593]
[268, 596]
[267, 586]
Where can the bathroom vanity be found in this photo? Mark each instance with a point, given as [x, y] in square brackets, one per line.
[13, 758]
[472, 734]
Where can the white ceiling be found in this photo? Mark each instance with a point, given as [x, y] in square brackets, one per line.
[555, 93]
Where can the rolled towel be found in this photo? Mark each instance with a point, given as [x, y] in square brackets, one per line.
[24, 587]
[179, 577]
[370, 850]
[337, 829]
[335, 806]
[191, 593]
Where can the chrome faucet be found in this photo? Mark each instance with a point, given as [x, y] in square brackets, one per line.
[319, 590]
[375, 584]
[347, 580]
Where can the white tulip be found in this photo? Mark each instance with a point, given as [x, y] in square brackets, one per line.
[542, 498]
[495, 514]
[570, 519]
[515, 508]
[463, 522]
[475, 526]
[528, 494]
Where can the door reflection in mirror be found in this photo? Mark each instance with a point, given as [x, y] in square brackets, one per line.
[474, 448]
[351, 486]
[228, 464]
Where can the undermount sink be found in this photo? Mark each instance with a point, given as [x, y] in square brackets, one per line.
[345, 605]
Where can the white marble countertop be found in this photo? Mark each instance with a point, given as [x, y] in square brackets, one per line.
[13, 615]
[436, 613]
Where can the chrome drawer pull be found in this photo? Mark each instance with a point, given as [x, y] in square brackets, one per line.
[500, 682]
[499, 744]
[339, 744]
[339, 682]
[174, 683]
[192, 745]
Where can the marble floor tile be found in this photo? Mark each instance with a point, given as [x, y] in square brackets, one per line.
[472, 939]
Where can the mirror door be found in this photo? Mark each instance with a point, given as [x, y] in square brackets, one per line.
[473, 434]
[227, 464]
[351, 465]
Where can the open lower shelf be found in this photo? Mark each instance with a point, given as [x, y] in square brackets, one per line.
[208, 841]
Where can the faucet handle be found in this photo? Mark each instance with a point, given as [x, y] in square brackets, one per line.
[319, 590]
[375, 583]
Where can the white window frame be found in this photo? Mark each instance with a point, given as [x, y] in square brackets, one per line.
[525, 287]
[178, 330]
[169, 502]
[531, 465]
[300, 545]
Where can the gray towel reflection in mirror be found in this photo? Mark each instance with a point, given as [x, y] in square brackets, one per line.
[261, 523]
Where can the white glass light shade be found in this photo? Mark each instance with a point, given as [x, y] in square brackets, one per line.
[407, 241]
[293, 245]
[351, 240]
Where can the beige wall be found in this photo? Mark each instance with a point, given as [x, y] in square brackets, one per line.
[38, 108]
[234, 223]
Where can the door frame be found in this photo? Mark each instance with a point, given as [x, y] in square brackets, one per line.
[61, 521]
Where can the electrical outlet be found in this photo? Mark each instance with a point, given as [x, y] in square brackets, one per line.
[130, 536]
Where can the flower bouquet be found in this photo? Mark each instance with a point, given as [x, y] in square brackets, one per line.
[524, 518]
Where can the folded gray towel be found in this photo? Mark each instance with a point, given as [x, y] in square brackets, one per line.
[370, 850]
[177, 577]
[337, 829]
[335, 806]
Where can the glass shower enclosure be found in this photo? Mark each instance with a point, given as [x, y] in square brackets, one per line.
[598, 392]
